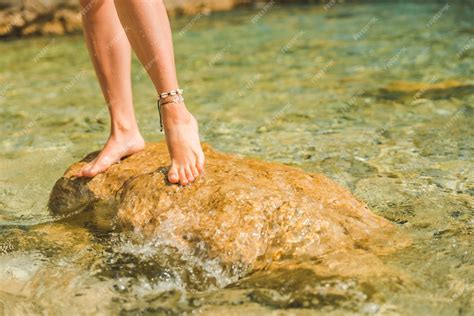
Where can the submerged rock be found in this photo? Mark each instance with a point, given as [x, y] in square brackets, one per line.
[242, 212]
[430, 90]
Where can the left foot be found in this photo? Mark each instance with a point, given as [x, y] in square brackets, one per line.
[182, 138]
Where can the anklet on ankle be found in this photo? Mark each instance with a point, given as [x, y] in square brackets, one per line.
[176, 97]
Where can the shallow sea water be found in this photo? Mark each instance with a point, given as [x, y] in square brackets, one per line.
[304, 86]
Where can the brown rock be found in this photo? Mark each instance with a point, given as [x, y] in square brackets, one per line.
[53, 27]
[5, 24]
[10, 21]
[72, 21]
[242, 211]
[191, 7]
[31, 29]
[40, 6]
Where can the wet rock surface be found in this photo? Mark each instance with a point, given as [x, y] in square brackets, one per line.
[242, 212]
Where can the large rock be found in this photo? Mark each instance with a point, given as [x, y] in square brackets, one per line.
[242, 212]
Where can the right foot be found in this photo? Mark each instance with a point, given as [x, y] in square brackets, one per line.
[117, 147]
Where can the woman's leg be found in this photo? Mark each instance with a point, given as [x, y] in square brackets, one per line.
[149, 32]
[110, 52]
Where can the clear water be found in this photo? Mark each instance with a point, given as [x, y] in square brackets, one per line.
[302, 86]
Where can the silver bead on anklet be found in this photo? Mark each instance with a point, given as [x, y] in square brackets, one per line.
[176, 97]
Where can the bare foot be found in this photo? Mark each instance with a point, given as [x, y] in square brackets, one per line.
[117, 147]
[182, 138]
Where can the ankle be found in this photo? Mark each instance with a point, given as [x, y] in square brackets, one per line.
[176, 113]
[128, 141]
[123, 129]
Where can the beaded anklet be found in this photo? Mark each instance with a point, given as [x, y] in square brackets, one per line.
[176, 97]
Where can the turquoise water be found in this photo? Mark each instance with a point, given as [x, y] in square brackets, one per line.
[306, 86]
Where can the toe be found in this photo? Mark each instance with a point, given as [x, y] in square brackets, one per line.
[194, 171]
[173, 176]
[182, 177]
[80, 173]
[84, 171]
[189, 174]
[91, 171]
[98, 167]
[200, 162]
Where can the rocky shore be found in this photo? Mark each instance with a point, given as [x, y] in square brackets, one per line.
[54, 17]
